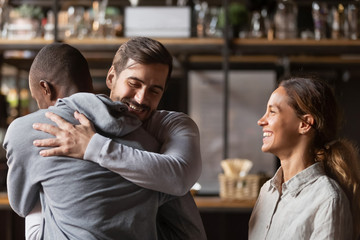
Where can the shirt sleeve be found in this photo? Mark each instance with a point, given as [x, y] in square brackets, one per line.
[22, 188]
[333, 220]
[173, 171]
[32, 223]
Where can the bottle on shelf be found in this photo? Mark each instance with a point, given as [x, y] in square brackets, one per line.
[285, 19]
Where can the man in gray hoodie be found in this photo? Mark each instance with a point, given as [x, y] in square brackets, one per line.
[137, 204]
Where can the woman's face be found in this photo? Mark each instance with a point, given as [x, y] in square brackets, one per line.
[281, 126]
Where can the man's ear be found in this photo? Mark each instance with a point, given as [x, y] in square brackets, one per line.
[45, 87]
[306, 123]
[110, 77]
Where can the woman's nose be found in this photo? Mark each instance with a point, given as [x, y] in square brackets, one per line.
[261, 121]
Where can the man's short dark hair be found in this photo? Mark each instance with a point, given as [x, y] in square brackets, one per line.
[142, 50]
[62, 65]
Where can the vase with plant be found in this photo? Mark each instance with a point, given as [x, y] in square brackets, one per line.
[238, 16]
[25, 21]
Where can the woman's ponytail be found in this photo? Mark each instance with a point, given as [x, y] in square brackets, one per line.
[339, 156]
[341, 162]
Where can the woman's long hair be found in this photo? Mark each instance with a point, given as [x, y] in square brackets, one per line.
[339, 156]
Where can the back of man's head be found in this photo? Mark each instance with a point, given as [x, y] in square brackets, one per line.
[142, 50]
[63, 67]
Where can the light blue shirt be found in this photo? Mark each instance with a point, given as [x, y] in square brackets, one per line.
[310, 206]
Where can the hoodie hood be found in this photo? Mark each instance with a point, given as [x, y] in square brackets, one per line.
[108, 117]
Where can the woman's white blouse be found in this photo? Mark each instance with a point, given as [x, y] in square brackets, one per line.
[309, 206]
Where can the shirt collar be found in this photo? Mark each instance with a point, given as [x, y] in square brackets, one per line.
[276, 181]
[298, 182]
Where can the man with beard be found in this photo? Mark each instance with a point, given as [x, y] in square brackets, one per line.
[139, 198]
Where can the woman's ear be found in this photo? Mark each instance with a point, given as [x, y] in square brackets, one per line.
[110, 77]
[306, 123]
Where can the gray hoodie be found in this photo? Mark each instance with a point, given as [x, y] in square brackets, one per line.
[80, 199]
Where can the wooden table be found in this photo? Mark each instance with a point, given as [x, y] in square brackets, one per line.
[4, 201]
[203, 203]
[224, 205]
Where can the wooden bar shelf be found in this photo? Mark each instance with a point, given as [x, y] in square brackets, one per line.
[206, 45]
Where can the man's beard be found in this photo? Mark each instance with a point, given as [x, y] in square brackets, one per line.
[134, 105]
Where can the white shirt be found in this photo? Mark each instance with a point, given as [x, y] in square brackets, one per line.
[311, 206]
[33, 223]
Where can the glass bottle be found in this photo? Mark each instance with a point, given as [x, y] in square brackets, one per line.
[319, 14]
[285, 19]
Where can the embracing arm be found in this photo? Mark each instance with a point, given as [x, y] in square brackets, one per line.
[174, 170]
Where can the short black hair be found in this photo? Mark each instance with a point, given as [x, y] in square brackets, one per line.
[62, 65]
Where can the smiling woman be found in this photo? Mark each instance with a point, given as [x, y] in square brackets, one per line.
[280, 126]
[314, 192]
